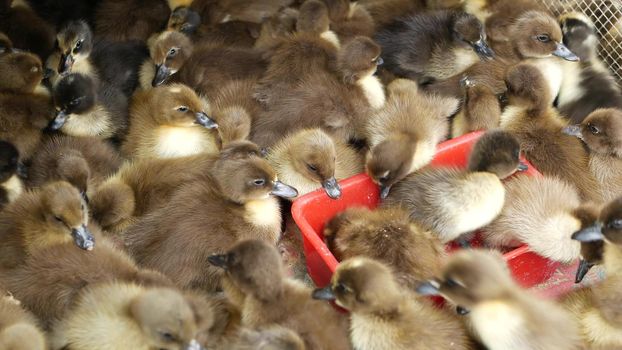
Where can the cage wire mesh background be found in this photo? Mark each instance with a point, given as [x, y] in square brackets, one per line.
[607, 16]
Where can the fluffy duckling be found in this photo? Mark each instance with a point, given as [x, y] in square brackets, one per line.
[235, 199]
[18, 330]
[276, 29]
[385, 317]
[254, 273]
[385, 12]
[502, 315]
[134, 317]
[481, 107]
[434, 45]
[84, 162]
[269, 338]
[169, 121]
[168, 52]
[26, 29]
[388, 235]
[130, 20]
[11, 171]
[403, 135]
[349, 20]
[451, 201]
[538, 127]
[234, 109]
[311, 158]
[588, 85]
[86, 108]
[184, 20]
[601, 132]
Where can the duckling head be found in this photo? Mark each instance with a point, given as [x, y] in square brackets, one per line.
[580, 34]
[536, 34]
[468, 31]
[313, 18]
[21, 72]
[22, 336]
[166, 319]
[254, 267]
[234, 124]
[601, 131]
[75, 42]
[65, 213]
[591, 252]
[169, 51]
[527, 87]
[471, 277]
[245, 179]
[9, 161]
[358, 59]
[361, 285]
[390, 161]
[74, 94]
[608, 228]
[496, 152]
[73, 168]
[184, 20]
[179, 106]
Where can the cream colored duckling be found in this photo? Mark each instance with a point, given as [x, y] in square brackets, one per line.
[18, 328]
[311, 158]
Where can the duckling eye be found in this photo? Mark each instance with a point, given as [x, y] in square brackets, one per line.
[615, 224]
[172, 52]
[58, 218]
[340, 288]
[182, 109]
[74, 102]
[168, 337]
[79, 45]
[593, 129]
[312, 168]
[543, 38]
[259, 182]
[451, 283]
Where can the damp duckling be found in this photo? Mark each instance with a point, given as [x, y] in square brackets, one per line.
[134, 317]
[502, 315]
[403, 135]
[538, 127]
[19, 329]
[601, 132]
[169, 121]
[236, 199]
[588, 85]
[84, 162]
[86, 108]
[388, 235]
[53, 214]
[11, 173]
[27, 30]
[434, 45]
[451, 201]
[311, 158]
[383, 316]
[254, 271]
[130, 20]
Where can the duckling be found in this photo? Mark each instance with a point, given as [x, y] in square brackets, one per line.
[388, 235]
[451, 201]
[268, 338]
[235, 199]
[169, 121]
[385, 317]
[86, 108]
[184, 20]
[591, 255]
[587, 85]
[254, 271]
[238, 10]
[538, 127]
[502, 314]
[403, 135]
[85, 162]
[11, 171]
[433, 46]
[19, 330]
[481, 108]
[130, 20]
[168, 52]
[134, 317]
[26, 29]
[53, 214]
[385, 12]
[349, 20]
[234, 109]
[276, 28]
[311, 158]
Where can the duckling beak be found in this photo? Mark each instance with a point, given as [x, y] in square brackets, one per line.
[325, 293]
[205, 121]
[573, 130]
[562, 51]
[162, 73]
[582, 270]
[59, 120]
[483, 50]
[284, 191]
[219, 260]
[589, 234]
[462, 311]
[332, 188]
[428, 288]
[379, 61]
[522, 167]
[194, 345]
[83, 238]
[384, 191]
[65, 64]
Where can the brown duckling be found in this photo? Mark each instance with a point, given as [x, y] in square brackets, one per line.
[53, 214]
[254, 273]
[481, 107]
[538, 127]
[234, 109]
[235, 199]
[133, 317]
[451, 201]
[276, 28]
[388, 235]
[502, 315]
[168, 52]
[169, 121]
[349, 20]
[11, 173]
[385, 12]
[130, 20]
[311, 158]
[19, 329]
[383, 316]
[403, 135]
[27, 30]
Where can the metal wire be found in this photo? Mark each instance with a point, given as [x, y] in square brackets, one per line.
[607, 16]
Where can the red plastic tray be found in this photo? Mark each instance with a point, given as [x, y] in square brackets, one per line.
[312, 211]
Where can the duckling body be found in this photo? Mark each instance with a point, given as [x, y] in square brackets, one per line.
[349, 20]
[11, 183]
[26, 29]
[18, 330]
[234, 109]
[130, 20]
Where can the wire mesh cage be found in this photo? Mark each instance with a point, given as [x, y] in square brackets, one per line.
[607, 16]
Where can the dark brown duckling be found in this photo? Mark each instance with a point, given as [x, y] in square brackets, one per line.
[27, 30]
[130, 20]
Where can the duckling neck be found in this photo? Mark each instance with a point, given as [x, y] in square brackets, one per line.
[613, 259]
